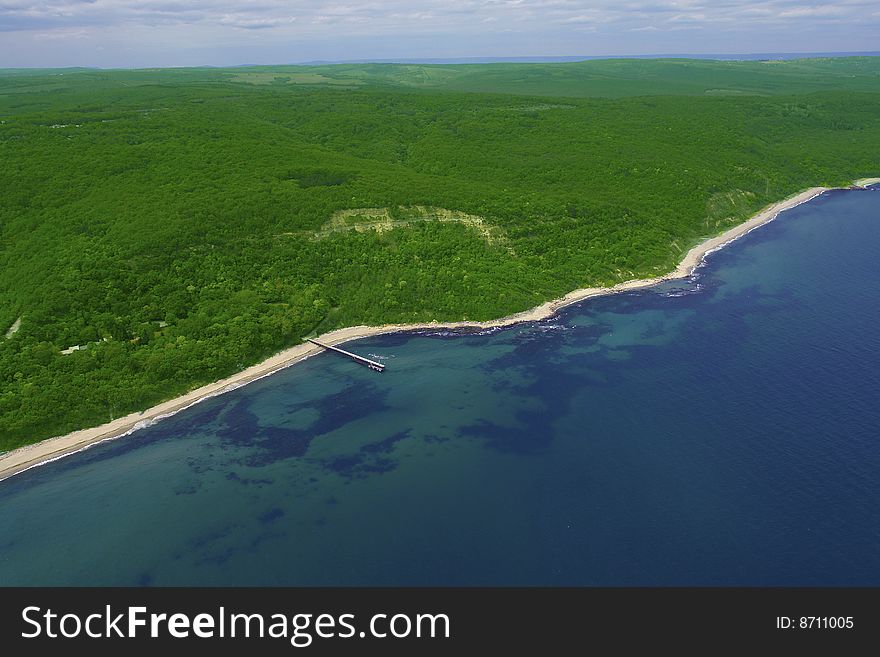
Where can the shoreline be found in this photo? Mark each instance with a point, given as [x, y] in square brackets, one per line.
[52, 449]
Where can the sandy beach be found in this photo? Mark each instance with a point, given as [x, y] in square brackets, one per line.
[52, 449]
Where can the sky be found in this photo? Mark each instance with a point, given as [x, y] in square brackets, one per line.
[148, 33]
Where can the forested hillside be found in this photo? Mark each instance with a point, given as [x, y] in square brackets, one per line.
[176, 226]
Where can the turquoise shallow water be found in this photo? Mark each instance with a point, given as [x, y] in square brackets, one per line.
[718, 431]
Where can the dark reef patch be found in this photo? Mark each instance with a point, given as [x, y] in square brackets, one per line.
[367, 460]
[343, 465]
[234, 476]
[270, 444]
[386, 445]
[272, 515]
[531, 435]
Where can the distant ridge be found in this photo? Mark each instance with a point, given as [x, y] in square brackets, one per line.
[581, 58]
[742, 57]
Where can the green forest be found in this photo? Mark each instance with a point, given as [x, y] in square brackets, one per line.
[161, 229]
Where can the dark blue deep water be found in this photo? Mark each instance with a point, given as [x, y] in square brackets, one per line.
[719, 431]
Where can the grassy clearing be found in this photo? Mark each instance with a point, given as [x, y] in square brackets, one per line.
[381, 220]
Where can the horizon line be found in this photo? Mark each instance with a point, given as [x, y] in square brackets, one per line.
[521, 59]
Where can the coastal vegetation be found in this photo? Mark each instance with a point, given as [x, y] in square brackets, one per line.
[178, 225]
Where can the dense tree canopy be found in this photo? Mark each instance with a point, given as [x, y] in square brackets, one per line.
[167, 221]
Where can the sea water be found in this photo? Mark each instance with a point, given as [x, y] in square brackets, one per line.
[723, 430]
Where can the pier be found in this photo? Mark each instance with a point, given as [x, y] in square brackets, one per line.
[373, 365]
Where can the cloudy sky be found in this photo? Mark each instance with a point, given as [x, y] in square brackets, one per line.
[124, 33]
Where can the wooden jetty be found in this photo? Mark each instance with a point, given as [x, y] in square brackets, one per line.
[373, 365]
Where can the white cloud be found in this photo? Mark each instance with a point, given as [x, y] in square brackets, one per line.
[255, 23]
[815, 11]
